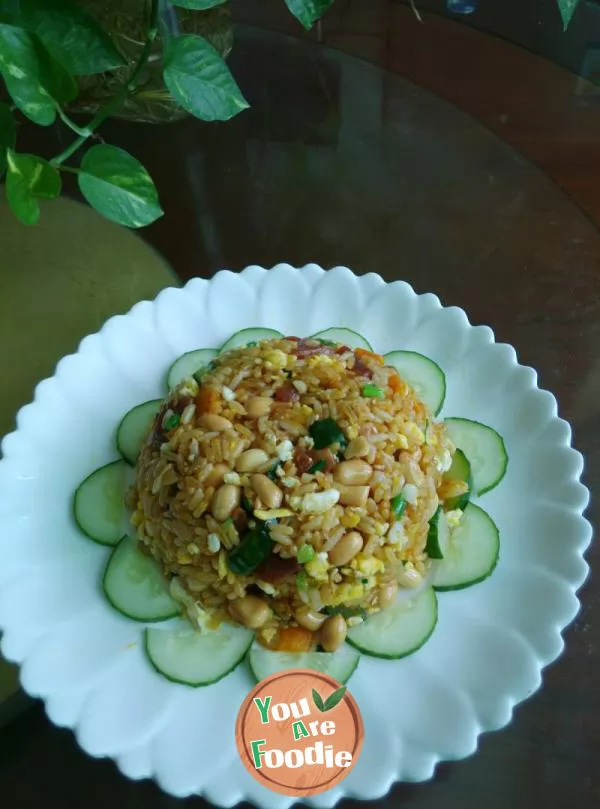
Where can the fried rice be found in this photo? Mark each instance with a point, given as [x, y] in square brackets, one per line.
[258, 469]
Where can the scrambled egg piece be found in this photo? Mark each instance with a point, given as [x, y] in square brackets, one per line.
[367, 566]
[347, 592]
[320, 359]
[318, 567]
[412, 431]
[277, 358]
[453, 517]
[315, 503]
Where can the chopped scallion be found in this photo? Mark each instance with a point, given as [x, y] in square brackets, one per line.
[302, 580]
[172, 421]
[305, 554]
[325, 433]
[318, 466]
[398, 504]
[373, 392]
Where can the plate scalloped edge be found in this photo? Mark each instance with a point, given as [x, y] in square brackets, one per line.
[135, 349]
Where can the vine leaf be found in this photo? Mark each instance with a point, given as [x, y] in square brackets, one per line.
[28, 180]
[119, 187]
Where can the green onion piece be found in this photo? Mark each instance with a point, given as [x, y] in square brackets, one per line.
[398, 504]
[325, 433]
[305, 554]
[364, 581]
[327, 342]
[272, 473]
[373, 392]
[318, 466]
[172, 421]
[247, 505]
[302, 580]
[228, 522]
[254, 549]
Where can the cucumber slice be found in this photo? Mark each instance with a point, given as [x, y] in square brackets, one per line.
[135, 586]
[188, 364]
[134, 428]
[399, 630]
[99, 504]
[459, 470]
[472, 552]
[185, 656]
[438, 536]
[340, 665]
[245, 336]
[484, 448]
[347, 337]
[422, 374]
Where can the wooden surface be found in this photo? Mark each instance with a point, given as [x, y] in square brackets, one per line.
[448, 168]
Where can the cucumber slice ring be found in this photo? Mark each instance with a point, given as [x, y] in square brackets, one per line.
[483, 447]
[134, 428]
[344, 336]
[422, 374]
[399, 630]
[472, 553]
[188, 364]
[185, 656]
[340, 665]
[244, 336]
[99, 504]
[134, 585]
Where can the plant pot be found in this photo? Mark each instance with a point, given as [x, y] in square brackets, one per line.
[126, 21]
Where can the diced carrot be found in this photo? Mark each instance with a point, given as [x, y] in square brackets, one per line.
[395, 383]
[293, 639]
[208, 401]
[363, 353]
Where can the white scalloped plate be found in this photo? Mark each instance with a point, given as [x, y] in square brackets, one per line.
[492, 640]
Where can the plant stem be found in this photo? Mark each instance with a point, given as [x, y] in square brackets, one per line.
[83, 132]
[121, 95]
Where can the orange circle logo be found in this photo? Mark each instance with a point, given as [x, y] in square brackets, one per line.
[299, 732]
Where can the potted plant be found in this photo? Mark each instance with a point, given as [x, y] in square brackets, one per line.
[152, 60]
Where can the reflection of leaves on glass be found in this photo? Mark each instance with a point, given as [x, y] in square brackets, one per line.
[119, 187]
[7, 134]
[200, 81]
[567, 9]
[333, 699]
[29, 179]
[308, 11]
[72, 36]
[317, 700]
[199, 5]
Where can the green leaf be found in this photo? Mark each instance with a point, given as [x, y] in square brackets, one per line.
[200, 81]
[7, 134]
[200, 5]
[308, 11]
[119, 187]
[29, 178]
[333, 699]
[567, 9]
[72, 36]
[35, 81]
[317, 700]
